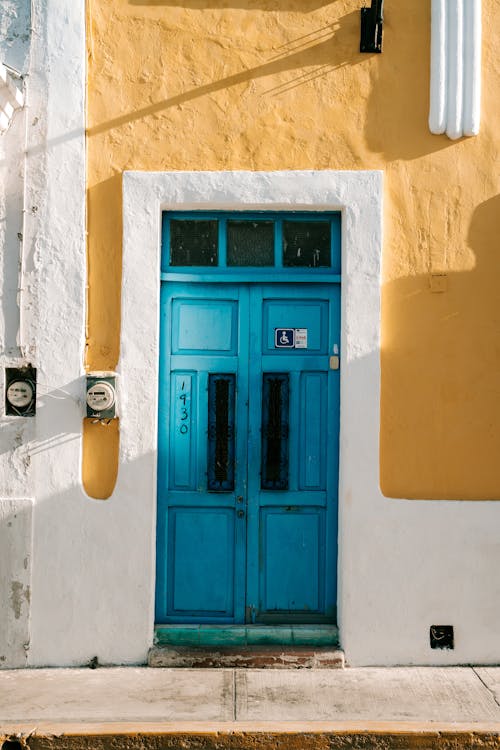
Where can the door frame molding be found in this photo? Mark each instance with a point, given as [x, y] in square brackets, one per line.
[359, 197]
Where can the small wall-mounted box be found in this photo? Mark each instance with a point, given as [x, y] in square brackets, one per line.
[101, 395]
[20, 391]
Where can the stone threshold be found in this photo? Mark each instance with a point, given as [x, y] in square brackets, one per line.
[216, 636]
[246, 657]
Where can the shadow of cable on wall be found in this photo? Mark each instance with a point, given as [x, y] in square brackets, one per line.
[321, 51]
[299, 6]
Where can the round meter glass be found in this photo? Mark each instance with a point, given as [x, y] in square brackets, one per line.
[101, 396]
[20, 393]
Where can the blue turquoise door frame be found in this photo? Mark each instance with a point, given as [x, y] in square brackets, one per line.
[246, 547]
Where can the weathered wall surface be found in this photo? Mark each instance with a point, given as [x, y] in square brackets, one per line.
[42, 278]
[16, 479]
[248, 85]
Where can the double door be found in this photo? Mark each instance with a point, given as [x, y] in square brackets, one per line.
[248, 453]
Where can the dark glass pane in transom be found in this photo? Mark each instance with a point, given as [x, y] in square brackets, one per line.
[193, 242]
[307, 244]
[275, 421]
[250, 243]
[220, 472]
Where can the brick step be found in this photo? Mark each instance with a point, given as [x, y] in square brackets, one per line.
[247, 657]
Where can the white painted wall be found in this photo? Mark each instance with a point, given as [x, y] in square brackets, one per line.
[16, 480]
[64, 538]
[88, 567]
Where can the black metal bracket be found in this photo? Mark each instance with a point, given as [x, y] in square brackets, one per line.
[372, 22]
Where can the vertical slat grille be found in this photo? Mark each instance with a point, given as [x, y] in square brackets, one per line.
[221, 390]
[275, 428]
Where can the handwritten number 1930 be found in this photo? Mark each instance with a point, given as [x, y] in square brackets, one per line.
[184, 417]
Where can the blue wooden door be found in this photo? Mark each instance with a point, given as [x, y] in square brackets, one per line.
[248, 453]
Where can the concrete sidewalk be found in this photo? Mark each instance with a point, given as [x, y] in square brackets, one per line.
[226, 708]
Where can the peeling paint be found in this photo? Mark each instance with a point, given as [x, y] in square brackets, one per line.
[16, 598]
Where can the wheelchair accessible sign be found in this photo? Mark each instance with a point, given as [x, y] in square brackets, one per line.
[290, 338]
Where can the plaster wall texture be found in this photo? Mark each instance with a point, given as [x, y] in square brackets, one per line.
[42, 323]
[77, 606]
[257, 87]
[16, 478]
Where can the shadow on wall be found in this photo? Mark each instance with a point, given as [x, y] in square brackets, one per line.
[314, 52]
[397, 113]
[323, 56]
[104, 214]
[12, 222]
[16, 528]
[442, 346]
[100, 457]
[299, 6]
[90, 560]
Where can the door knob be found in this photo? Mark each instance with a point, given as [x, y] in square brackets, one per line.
[240, 513]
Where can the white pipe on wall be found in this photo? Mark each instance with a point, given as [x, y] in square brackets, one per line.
[472, 67]
[455, 95]
[455, 85]
[439, 23]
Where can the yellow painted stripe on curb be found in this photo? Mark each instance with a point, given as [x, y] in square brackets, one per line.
[246, 727]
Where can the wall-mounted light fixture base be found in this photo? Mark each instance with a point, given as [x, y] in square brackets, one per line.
[372, 22]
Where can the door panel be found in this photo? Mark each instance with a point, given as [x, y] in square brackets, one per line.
[313, 430]
[292, 545]
[310, 314]
[201, 569]
[292, 526]
[248, 454]
[204, 326]
[201, 543]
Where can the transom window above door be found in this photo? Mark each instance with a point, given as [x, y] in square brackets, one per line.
[261, 241]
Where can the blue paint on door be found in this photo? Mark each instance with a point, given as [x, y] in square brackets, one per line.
[248, 453]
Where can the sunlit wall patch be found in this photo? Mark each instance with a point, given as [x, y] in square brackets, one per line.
[455, 98]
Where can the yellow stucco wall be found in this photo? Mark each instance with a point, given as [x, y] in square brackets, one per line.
[280, 84]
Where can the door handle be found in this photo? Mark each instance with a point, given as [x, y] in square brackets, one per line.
[240, 513]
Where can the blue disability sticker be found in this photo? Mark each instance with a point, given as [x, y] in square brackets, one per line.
[284, 338]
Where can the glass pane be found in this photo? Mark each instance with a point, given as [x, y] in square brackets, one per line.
[193, 242]
[250, 243]
[275, 407]
[307, 244]
[221, 433]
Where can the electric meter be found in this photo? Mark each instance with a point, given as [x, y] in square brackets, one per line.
[20, 391]
[101, 395]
